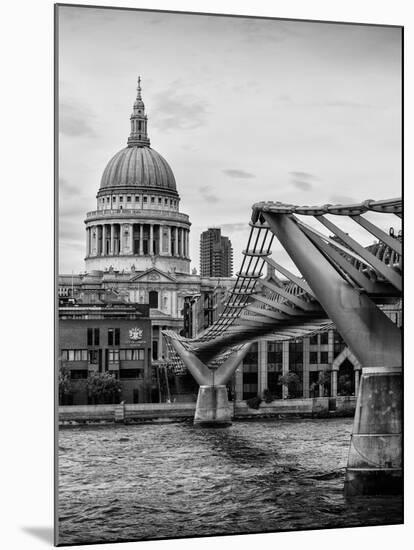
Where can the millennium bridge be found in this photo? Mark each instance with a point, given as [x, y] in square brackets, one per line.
[343, 283]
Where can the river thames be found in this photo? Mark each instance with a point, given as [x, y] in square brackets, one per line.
[154, 481]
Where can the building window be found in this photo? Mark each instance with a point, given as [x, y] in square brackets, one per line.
[113, 355]
[93, 336]
[324, 357]
[136, 198]
[166, 202]
[296, 353]
[114, 199]
[274, 353]
[113, 336]
[153, 299]
[313, 357]
[324, 338]
[74, 355]
[145, 199]
[108, 199]
[93, 356]
[132, 354]
[129, 198]
[121, 199]
[152, 199]
[313, 340]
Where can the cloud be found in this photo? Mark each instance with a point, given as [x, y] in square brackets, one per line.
[207, 195]
[306, 175]
[174, 110]
[302, 180]
[75, 119]
[235, 173]
[302, 185]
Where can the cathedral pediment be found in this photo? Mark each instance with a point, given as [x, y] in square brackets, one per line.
[153, 275]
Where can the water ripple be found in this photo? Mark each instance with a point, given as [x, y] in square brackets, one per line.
[143, 482]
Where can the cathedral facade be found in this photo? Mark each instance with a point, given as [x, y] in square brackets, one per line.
[137, 240]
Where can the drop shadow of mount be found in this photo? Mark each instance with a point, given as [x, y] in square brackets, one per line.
[44, 534]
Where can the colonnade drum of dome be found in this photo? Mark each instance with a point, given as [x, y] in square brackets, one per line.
[343, 283]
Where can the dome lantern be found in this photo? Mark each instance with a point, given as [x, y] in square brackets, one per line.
[139, 121]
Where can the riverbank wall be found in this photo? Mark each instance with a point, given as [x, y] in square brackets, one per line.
[126, 413]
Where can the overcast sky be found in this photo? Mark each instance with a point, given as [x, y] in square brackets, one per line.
[243, 110]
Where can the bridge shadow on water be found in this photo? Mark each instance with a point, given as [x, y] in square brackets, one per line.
[230, 444]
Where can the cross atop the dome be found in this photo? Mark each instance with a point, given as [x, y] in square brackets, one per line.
[139, 88]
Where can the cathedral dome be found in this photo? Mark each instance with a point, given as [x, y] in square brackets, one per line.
[138, 167]
[137, 224]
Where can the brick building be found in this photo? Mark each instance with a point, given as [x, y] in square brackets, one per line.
[106, 337]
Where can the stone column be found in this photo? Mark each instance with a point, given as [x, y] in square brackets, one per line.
[176, 241]
[96, 230]
[131, 238]
[103, 239]
[91, 240]
[121, 240]
[285, 366]
[261, 367]
[161, 240]
[187, 232]
[334, 383]
[151, 239]
[182, 243]
[112, 251]
[141, 239]
[87, 241]
[98, 234]
[169, 240]
[356, 374]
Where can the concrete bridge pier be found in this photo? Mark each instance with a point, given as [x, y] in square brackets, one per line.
[375, 454]
[213, 407]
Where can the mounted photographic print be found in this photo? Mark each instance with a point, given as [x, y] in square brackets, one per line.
[229, 275]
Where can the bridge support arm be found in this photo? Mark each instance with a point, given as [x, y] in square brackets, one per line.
[201, 374]
[375, 457]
